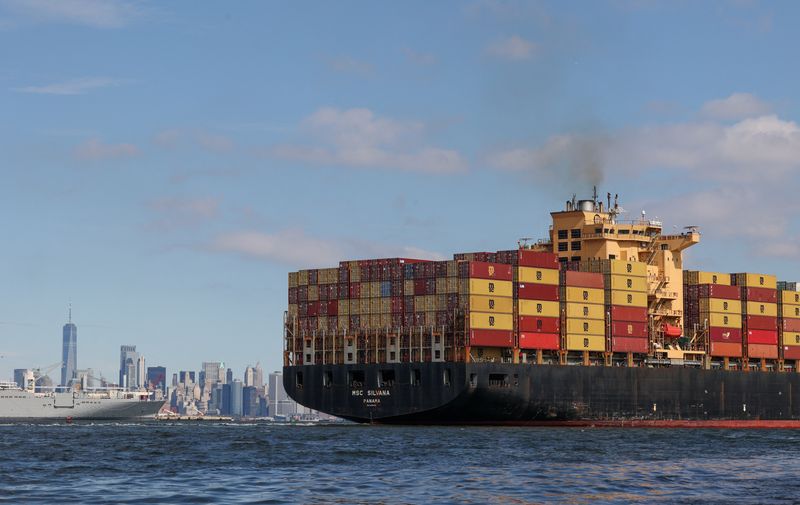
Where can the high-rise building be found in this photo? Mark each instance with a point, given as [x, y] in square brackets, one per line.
[157, 378]
[250, 402]
[279, 402]
[141, 372]
[21, 375]
[128, 366]
[69, 351]
[232, 399]
[186, 377]
[213, 372]
[248, 376]
[258, 376]
[229, 376]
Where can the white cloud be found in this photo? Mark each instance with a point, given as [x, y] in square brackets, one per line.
[71, 87]
[512, 48]
[358, 138]
[95, 149]
[95, 13]
[294, 247]
[736, 106]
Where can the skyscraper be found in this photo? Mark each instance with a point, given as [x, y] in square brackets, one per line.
[69, 351]
[128, 366]
[157, 378]
[258, 376]
[280, 404]
[213, 372]
[248, 376]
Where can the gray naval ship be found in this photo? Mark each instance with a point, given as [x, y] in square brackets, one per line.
[18, 404]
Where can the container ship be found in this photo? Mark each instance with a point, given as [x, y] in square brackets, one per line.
[599, 324]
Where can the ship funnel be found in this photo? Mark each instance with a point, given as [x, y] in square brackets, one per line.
[586, 205]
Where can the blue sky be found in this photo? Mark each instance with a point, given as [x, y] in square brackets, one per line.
[166, 164]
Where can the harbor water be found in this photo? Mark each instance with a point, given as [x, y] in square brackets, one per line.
[163, 462]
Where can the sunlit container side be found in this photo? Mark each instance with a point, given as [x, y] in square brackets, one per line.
[632, 268]
[697, 277]
[628, 329]
[726, 349]
[292, 279]
[584, 295]
[717, 291]
[593, 343]
[583, 280]
[790, 298]
[628, 283]
[585, 310]
[767, 337]
[538, 276]
[533, 324]
[790, 324]
[755, 280]
[538, 308]
[761, 322]
[491, 304]
[586, 327]
[762, 309]
[759, 295]
[791, 338]
[628, 298]
[490, 338]
[536, 259]
[489, 271]
[489, 321]
[629, 344]
[791, 352]
[722, 320]
[725, 334]
[537, 292]
[542, 341]
[720, 305]
[490, 288]
[621, 313]
[762, 351]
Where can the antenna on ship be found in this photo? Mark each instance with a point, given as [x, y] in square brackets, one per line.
[523, 242]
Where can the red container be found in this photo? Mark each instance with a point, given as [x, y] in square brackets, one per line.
[762, 351]
[791, 324]
[313, 308]
[791, 352]
[765, 295]
[533, 324]
[719, 291]
[332, 307]
[628, 329]
[535, 259]
[717, 334]
[583, 279]
[355, 290]
[762, 337]
[539, 341]
[397, 304]
[726, 349]
[420, 287]
[491, 338]
[629, 344]
[621, 313]
[761, 323]
[537, 292]
[492, 271]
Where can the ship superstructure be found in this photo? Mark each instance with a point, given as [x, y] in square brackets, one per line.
[586, 324]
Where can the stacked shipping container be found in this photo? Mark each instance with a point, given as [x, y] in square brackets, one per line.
[789, 320]
[625, 302]
[538, 308]
[712, 304]
[491, 304]
[759, 297]
[584, 318]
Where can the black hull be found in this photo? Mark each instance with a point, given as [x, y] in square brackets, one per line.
[498, 393]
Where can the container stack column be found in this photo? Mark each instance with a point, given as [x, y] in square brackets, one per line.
[538, 307]
[490, 310]
[789, 322]
[759, 316]
[584, 319]
[712, 308]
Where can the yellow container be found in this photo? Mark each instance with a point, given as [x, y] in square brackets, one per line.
[386, 320]
[355, 273]
[343, 323]
[629, 298]
[375, 321]
[291, 312]
[302, 278]
[441, 284]
[714, 278]
[791, 338]
[720, 305]
[585, 310]
[757, 281]
[313, 293]
[452, 268]
[538, 308]
[344, 307]
[791, 311]
[580, 326]
[787, 297]
[596, 343]
[489, 321]
[292, 279]
[584, 295]
[490, 288]
[386, 305]
[452, 284]
[408, 288]
[430, 303]
[538, 275]
[724, 320]
[441, 302]
[430, 318]
[322, 323]
[355, 307]
[329, 275]
[491, 304]
[364, 304]
[374, 289]
[628, 283]
[631, 268]
[375, 305]
[762, 309]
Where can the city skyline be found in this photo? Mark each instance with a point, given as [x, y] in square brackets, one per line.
[167, 195]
